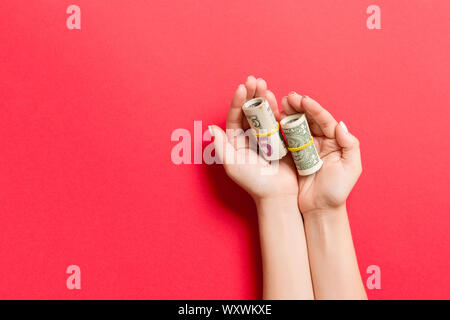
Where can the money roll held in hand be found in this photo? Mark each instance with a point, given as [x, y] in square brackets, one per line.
[265, 128]
[301, 144]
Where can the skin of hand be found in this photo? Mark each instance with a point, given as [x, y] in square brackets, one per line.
[286, 272]
[322, 197]
[327, 189]
[242, 163]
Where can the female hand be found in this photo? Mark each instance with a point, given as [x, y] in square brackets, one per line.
[327, 189]
[260, 178]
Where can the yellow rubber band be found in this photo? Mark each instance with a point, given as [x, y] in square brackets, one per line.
[267, 133]
[303, 146]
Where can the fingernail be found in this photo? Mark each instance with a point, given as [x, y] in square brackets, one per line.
[342, 124]
[211, 131]
[305, 97]
[293, 92]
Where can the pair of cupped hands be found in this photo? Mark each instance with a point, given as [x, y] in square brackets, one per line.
[323, 191]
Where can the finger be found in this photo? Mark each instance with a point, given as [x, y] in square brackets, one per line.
[273, 104]
[224, 150]
[322, 117]
[350, 146]
[295, 101]
[286, 107]
[250, 85]
[261, 87]
[235, 114]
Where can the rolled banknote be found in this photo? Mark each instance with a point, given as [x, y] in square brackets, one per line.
[300, 143]
[265, 128]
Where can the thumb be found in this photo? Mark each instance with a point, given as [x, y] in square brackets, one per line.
[349, 145]
[224, 150]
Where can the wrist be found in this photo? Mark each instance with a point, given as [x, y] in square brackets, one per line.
[326, 214]
[283, 204]
[326, 227]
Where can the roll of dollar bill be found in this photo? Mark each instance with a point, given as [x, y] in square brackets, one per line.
[265, 128]
[300, 143]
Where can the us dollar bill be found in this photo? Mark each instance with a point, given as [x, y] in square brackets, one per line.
[265, 128]
[300, 143]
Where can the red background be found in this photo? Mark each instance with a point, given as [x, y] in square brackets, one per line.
[86, 118]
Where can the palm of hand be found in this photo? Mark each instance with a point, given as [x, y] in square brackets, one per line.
[339, 151]
[247, 168]
[261, 178]
[325, 188]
